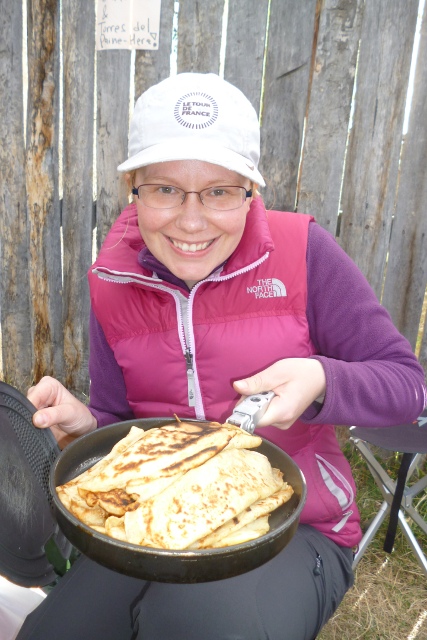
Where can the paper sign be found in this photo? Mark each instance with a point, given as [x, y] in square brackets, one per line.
[127, 24]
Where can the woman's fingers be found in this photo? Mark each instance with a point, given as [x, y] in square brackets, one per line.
[57, 407]
[297, 382]
[45, 393]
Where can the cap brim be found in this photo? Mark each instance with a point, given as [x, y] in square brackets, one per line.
[205, 151]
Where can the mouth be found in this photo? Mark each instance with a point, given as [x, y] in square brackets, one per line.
[191, 247]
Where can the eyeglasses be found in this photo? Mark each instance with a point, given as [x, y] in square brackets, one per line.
[161, 196]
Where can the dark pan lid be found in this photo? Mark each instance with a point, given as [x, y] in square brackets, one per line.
[33, 551]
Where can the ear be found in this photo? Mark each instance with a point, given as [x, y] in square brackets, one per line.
[130, 180]
[129, 177]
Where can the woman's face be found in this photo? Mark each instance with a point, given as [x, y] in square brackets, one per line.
[190, 240]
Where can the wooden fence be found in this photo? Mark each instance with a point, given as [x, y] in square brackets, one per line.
[329, 79]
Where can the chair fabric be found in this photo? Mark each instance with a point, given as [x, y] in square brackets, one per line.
[409, 440]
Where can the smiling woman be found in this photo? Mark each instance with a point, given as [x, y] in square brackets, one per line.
[190, 234]
[220, 298]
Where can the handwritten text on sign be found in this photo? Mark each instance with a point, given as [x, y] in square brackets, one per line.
[127, 24]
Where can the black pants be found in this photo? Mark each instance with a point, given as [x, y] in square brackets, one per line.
[289, 598]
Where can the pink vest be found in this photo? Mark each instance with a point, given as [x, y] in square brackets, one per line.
[235, 323]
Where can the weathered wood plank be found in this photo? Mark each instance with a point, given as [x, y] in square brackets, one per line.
[14, 283]
[30, 256]
[375, 139]
[329, 110]
[406, 276]
[422, 357]
[153, 66]
[78, 123]
[287, 73]
[199, 35]
[113, 102]
[42, 186]
[246, 31]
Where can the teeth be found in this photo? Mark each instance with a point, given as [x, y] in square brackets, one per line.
[191, 248]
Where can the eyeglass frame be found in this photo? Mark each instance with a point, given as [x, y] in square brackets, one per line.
[248, 194]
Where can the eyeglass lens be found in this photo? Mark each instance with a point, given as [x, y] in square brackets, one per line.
[221, 198]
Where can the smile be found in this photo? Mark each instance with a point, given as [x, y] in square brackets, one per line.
[191, 248]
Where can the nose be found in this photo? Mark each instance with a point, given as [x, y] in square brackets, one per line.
[191, 214]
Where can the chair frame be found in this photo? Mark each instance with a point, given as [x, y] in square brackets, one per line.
[387, 487]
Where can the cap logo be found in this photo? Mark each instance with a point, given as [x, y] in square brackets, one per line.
[196, 110]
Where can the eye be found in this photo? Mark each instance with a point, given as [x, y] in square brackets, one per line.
[166, 190]
[218, 192]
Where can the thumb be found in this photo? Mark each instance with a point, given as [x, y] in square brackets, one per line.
[251, 385]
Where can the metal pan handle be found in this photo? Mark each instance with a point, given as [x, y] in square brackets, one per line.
[249, 412]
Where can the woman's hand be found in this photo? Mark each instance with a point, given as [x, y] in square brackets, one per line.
[58, 409]
[297, 382]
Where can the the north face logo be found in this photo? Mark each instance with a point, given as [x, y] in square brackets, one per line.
[268, 288]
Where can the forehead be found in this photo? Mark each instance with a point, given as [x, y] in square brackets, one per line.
[189, 170]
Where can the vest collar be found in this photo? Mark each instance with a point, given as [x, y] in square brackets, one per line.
[124, 249]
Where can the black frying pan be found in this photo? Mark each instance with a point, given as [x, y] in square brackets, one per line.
[170, 565]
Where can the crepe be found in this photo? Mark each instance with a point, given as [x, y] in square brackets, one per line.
[255, 511]
[181, 486]
[202, 500]
[251, 531]
[133, 436]
[162, 452]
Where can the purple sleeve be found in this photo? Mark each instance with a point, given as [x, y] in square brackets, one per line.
[372, 376]
[108, 402]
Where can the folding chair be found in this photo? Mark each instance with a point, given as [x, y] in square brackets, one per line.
[410, 440]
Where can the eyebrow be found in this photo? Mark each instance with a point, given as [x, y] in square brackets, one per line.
[173, 182]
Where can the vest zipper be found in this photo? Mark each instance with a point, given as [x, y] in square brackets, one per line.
[190, 379]
[186, 337]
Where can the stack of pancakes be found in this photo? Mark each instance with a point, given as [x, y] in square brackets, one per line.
[181, 486]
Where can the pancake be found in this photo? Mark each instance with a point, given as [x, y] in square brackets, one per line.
[202, 500]
[162, 452]
[181, 486]
[258, 509]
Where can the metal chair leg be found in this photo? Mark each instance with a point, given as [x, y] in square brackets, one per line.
[413, 543]
[387, 487]
[371, 532]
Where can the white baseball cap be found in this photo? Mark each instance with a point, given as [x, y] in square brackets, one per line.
[195, 116]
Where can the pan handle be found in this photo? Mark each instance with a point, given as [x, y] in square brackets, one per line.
[249, 412]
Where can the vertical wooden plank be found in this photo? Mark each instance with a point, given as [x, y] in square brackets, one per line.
[199, 35]
[14, 299]
[244, 54]
[375, 139]
[153, 66]
[406, 276]
[329, 110]
[42, 186]
[287, 73]
[423, 350]
[78, 118]
[113, 104]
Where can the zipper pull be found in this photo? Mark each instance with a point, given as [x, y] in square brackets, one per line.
[318, 568]
[190, 379]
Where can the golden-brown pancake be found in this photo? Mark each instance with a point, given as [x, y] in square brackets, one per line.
[162, 452]
[202, 500]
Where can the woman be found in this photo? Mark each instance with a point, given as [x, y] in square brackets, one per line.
[199, 296]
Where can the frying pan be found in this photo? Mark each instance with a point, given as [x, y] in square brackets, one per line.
[162, 565]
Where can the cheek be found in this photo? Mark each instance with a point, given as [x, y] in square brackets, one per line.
[150, 222]
[235, 225]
